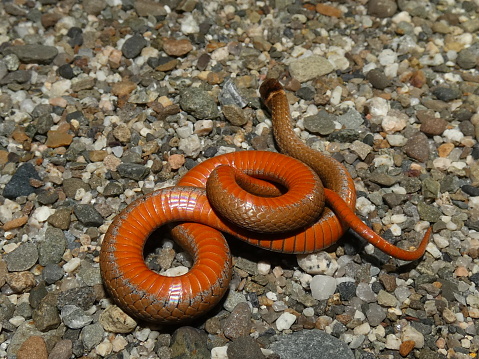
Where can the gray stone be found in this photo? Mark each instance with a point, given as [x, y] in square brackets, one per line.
[199, 103]
[88, 215]
[22, 258]
[351, 119]
[321, 123]
[53, 247]
[74, 317]
[311, 344]
[32, 53]
[133, 171]
[308, 68]
[92, 335]
[72, 185]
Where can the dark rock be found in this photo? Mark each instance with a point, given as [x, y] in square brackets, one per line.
[19, 184]
[189, 343]
[347, 290]
[244, 347]
[470, 190]
[82, 297]
[66, 71]
[33, 53]
[446, 94]
[133, 171]
[88, 215]
[378, 79]
[417, 147]
[132, 47]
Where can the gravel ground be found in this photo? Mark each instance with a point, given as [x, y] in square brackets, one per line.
[102, 101]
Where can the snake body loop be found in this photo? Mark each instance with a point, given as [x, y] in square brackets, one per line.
[276, 211]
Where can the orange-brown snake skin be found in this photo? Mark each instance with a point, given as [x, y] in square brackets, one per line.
[215, 198]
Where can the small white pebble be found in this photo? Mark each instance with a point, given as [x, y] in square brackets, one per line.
[42, 213]
[308, 312]
[285, 321]
[395, 230]
[453, 135]
[378, 107]
[364, 206]
[362, 329]
[440, 241]
[219, 352]
[392, 342]
[17, 320]
[442, 163]
[451, 226]
[433, 250]
[272, 296]
[396, 140]
[322, 287]
[387, 57]
[104, 348]
[336, 95]
[119, 343]
[318, 263]
[264, 267]
[305, 279]
[72, 264]
[142, 334]
[398, 218]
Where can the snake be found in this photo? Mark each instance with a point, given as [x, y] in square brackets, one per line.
[297, 201]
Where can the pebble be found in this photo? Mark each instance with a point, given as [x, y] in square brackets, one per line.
[318, 263]
[238, 323]
[382, 8]
[189, 342]
[386, 299]
[310, 344]
[115, 320]
[91, 335]
[285, 321]
[132, 46]
[175, 47]
[24, 257]
[63, 349]
[307, 68]
[19, 184]
[199, 104]
[33, 53]
[244, 347]
[417, 147]
[378, 79]
[411, 334]
[322, 123]
[322, 287]
[33, 348]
